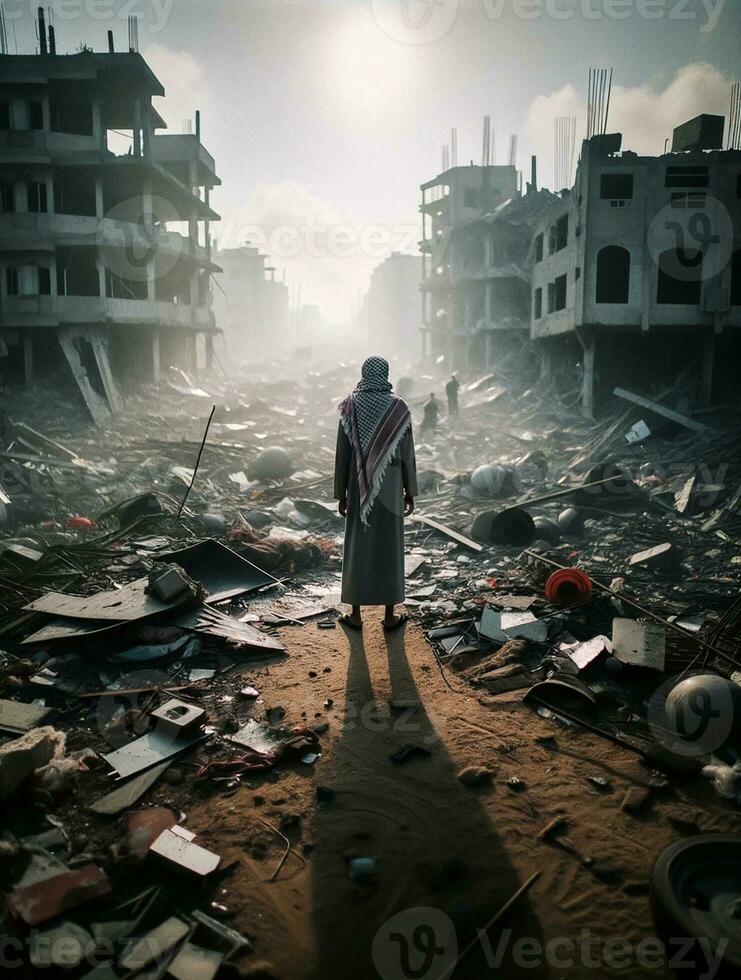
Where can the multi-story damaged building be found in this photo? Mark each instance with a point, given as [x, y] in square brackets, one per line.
[476, 243]
[390, 313]
[251, 305]
[93, 272]
[637, 267]
[640, 262]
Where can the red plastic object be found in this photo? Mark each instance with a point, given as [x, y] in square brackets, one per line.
[567, 586]
[81, 522]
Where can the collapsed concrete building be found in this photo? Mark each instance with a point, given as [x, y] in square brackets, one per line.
[458, 260]
[636, 266]
[93, 273]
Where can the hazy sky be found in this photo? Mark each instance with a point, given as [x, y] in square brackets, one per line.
[324, 116]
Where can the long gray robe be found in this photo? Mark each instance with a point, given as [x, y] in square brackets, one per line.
[373, 562]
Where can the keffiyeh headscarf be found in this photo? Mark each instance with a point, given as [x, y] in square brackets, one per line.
[374, 421]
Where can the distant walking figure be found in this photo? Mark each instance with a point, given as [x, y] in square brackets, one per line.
[430, 413]
[375, 481]
[451, 392]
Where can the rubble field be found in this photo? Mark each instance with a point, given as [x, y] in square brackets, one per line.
[203, 773]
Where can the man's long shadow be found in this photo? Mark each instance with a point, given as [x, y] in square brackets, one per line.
[433, 845]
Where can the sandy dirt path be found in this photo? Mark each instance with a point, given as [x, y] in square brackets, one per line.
[437, 844]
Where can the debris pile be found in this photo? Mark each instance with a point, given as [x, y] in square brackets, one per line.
[148, 574]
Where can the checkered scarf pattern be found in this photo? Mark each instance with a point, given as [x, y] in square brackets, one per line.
[374, 421]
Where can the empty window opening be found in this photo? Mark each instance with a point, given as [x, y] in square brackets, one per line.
[686, 177]
[73, 117]
[616, 187]
[74, 192]
[7, 197]
[558, 235]
[37, 198]
[613, 275]
[680, 273]
[77, 272]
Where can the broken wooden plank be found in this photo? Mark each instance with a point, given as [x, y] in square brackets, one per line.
[460, 539]
[652, 406]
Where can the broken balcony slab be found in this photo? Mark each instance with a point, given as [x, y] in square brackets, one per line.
[222, 572]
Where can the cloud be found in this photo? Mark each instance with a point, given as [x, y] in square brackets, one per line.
[183, 78]
[644, 114]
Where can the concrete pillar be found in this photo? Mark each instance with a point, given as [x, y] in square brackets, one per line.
[99, 202]
[101, 275]
[546, 363]
[488, 350]
[147, 127]
[137, 127]
[99, 136]
[155, 354]
[209, 352]
[189, 352]
[20, 195]
[27, 357]
[589, 346]
[148, 215]
[708, 367]
[207, 224]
